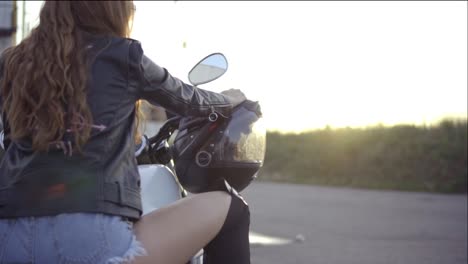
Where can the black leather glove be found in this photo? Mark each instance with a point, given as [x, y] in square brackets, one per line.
[253, 106]
[235, 96]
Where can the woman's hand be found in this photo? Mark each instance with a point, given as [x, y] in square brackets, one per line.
[235, 96]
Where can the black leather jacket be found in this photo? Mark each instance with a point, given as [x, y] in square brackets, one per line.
[104, 178]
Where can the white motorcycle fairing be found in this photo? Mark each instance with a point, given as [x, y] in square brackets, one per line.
[158, 187]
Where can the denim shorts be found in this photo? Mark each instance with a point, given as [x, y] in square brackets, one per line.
[68, 238]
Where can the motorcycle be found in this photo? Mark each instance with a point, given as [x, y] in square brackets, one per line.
[159, 183]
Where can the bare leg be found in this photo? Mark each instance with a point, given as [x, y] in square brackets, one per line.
[175, 233]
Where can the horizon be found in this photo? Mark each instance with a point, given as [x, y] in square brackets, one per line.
[434, 124]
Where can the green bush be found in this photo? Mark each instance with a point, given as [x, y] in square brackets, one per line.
[403, 157]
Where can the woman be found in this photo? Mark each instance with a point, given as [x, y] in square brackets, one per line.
[69, 184]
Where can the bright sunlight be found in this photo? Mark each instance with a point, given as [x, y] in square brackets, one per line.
[313, 64]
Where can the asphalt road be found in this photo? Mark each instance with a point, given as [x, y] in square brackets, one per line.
[357, 226]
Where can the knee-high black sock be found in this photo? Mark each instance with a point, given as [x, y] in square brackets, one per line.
[231, 244]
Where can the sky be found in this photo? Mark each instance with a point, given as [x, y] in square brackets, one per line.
[313, 64]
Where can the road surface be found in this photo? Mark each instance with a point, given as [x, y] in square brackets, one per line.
[341, 225]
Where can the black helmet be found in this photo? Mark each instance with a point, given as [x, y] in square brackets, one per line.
[208, 151]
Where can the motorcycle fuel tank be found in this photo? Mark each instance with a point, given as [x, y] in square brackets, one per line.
[158, 187]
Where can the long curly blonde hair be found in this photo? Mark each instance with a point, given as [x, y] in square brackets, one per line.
[44, 80]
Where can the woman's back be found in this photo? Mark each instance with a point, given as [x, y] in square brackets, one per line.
[104, 172]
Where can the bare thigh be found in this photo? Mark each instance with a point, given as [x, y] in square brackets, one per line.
[175, 233]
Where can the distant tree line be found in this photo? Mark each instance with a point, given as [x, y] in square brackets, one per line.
[403, 157]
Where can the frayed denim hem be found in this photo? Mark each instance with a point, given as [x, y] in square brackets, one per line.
[136, 249]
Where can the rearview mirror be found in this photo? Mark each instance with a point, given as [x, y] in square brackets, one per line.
[209, 69]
